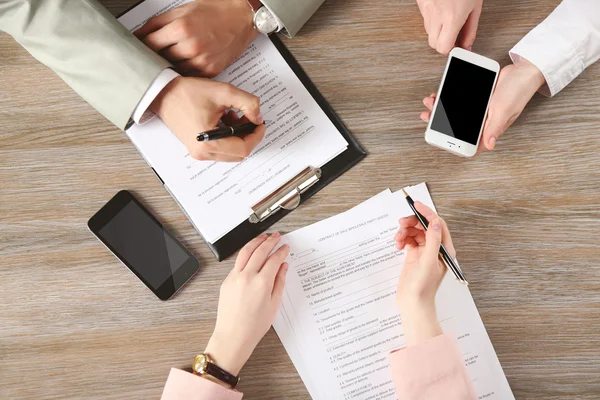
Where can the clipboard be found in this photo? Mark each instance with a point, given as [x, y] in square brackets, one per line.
[303, 186]
[297, 190]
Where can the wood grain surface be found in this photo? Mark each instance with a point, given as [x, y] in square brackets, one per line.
[525, 218]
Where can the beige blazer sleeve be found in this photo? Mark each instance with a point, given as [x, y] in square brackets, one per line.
[293, 13]
[88, 48]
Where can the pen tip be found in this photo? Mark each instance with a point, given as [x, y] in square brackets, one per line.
[404, 191]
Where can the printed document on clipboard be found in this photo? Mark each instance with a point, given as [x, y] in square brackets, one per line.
[218, 197]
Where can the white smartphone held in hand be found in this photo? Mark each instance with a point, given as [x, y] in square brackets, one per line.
[461, 104]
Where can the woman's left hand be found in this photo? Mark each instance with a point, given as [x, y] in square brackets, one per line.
[249, 299]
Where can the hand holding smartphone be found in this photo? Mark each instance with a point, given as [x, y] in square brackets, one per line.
[462, 102]
[140, 242]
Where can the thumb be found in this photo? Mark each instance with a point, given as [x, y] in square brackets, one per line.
[494, 126]
[433, 241]
[241, 100]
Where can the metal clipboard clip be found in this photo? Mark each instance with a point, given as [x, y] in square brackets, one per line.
[287, 197]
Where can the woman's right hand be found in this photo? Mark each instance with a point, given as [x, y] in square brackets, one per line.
[422, 274]
[249, 299]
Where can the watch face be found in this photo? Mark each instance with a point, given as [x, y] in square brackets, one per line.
[264, 21]
[200, 364]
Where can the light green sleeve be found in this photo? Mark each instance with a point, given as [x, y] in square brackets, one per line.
[88, 48]
[293, 13]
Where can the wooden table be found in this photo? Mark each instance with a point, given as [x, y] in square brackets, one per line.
[525, 218]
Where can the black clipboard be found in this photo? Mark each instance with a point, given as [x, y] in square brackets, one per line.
[312, 179]
[246, 231]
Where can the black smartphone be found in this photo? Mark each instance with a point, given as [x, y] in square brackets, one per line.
[141, 243]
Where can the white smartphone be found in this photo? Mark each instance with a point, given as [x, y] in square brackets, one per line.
[461, 105]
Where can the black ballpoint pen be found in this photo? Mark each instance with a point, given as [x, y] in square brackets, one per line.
[444, 255]
[220, 133]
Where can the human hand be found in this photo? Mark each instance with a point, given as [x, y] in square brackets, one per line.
[249, 299]
[189, 106]
[422, 274]
[444, 20]
[517, 83]
[203, 37]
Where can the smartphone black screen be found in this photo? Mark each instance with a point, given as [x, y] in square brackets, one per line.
[463, 100]
[143, 244]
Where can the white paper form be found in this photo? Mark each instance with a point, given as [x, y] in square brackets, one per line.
[289, 338]
[219, 196]
[338, 319]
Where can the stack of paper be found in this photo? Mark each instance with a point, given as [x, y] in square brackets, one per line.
[338, 319]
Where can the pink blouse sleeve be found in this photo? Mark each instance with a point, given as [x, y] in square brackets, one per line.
[431, 370]
[182, 385]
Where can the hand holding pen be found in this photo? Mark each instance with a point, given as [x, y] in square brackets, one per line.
[190, 105]
[432, 244]
[422, 274]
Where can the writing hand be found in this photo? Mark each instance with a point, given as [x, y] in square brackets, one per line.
[249, 299]
[445, 20]
[189, 106]
[422, 274]
[517, 83]
[203, 37]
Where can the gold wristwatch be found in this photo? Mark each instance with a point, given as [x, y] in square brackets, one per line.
[204, 365]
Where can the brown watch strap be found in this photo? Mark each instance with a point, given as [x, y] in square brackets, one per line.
[255, 4]
[222, 375]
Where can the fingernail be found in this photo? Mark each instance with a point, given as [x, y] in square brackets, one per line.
[436, 225]
[275, 234]
[285, 266]
[262, 236]
[469, 48]
[260, 118]
[492, 142]
[286, 246]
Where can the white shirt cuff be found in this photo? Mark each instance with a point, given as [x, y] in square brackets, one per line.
[141, 114]
[552, 54]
